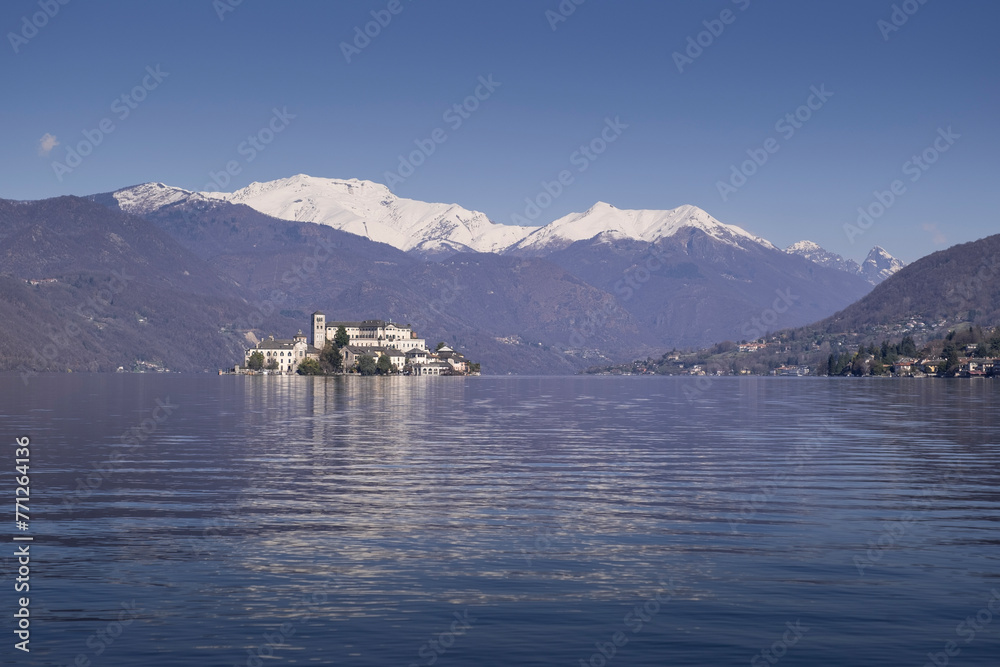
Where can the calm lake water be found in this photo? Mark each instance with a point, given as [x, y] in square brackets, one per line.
[497, 521]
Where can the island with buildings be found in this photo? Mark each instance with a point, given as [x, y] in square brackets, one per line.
[368, 347]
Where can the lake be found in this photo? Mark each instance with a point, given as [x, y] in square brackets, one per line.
[224, 520]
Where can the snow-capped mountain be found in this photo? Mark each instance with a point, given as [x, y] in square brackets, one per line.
[371, 210]
[813, 251]
[142, 199]
[877, 267]
[640, 225]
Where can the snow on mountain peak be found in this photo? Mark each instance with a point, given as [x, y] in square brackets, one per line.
[370, 209]
[642, 225]
[802, 247]
[141, 199]
[878, 266]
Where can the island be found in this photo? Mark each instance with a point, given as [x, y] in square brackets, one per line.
[367, 347]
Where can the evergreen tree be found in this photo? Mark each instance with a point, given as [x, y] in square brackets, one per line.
[330, 359]
[366, 365]
[309, 367]
[950, 354]
[256, 361]
[340, 339]
[907, 347]
[384, 365]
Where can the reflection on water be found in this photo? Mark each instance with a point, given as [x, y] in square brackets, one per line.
[368, 521]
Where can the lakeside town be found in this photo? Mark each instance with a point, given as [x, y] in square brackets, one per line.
[965, 351]
[367, 347]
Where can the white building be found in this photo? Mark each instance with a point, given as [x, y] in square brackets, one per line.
[432, 367]
[286, 354]
[367, 333]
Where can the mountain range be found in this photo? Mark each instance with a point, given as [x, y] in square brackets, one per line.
[371, 210]
[598, 285]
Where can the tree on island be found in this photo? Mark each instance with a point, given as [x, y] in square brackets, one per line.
[272, 364]
[310, 367]
[439, 346]
[256, 361]
[366, 365]
[384, 366]
[340, 339]
[330, 359]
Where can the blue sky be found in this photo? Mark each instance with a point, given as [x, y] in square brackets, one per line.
[888, 95]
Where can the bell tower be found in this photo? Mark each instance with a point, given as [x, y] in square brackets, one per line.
[319, 330]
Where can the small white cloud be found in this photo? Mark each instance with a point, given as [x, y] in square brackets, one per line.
[47, 143]
[938, 235]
